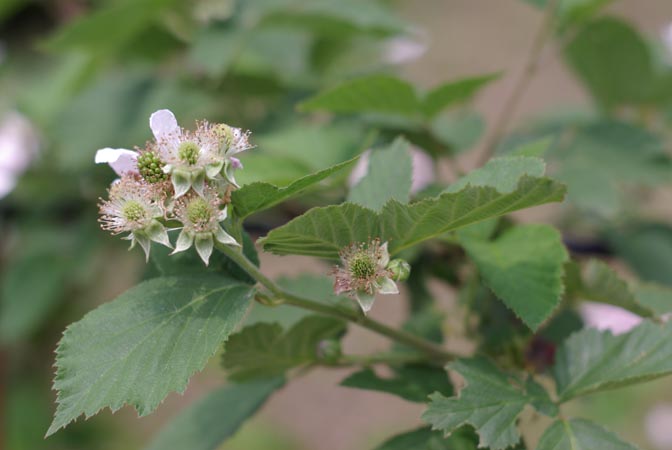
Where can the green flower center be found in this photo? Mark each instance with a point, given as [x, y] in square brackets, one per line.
[362, 266]
[199, 212]
[133, 211]
[188, 153]
[151, 167]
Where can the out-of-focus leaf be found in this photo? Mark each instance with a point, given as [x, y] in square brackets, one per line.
[264, 350]
[145, 344]
[656, 297]
[614, 62]
[574, 12]
[459, 131]
[524, 267]
[592, 360]
[214, 418]
[647, 249]
[427, 439]
[454, 92]
[412, 382]
[389, 176]
[325, 231]
[577, 434]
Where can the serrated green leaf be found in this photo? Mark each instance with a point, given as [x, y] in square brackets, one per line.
[489, 402]
[601, 283]
[145, 344]
[263, 350]
[614, 62]
[323, 232]
[370, 94]
[592, 360]
[389, 176]
[453, 92]
[215, 417]
[427, 439]
[524, 267]
[501, 173]
[412, 382]
[258, 196]
[580, 434]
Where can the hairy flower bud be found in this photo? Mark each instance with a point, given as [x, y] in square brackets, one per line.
[400, 270]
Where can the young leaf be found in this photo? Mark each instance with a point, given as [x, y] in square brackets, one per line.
[370, 94]
[501, 173]
[215, 417]
[413, 382]
[601, 283]
[524, 267]
[454, 92]
[145, 344]
[323, 232]
[263, 350]
[427, 439]
[255, 197]
[592, 360]
[577, 434]
[489, 403]
[389, 176]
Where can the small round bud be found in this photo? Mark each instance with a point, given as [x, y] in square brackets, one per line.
[329, 351]
[150, 167]
[400, 269]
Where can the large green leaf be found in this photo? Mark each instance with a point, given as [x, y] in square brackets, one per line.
[325, 231]
[263, 350]
[454, 92]
[214, 418]
[389, 176]
[592, 360]
[489, 402]
[655, 297]
[427, 439]
[145, 344]
[580, 434]
[258, 196]
[370, 94]
[614, 62]
[524, 267]
[501, 173]
[413, 382]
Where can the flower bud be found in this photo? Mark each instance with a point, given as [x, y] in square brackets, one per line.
[329, 351]
[400, 269]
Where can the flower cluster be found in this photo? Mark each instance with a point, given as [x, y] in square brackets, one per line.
[367, 270]
[182, 176]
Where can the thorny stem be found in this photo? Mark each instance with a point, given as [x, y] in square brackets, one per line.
[434, 351]
[529, 69]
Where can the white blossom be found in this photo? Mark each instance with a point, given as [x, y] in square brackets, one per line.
[19, 146]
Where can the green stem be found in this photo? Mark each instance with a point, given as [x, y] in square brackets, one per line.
[434, 351]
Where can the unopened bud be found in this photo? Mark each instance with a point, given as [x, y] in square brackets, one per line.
[329, 350]
[400, 269]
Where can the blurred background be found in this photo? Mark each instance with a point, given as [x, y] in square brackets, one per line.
[78, 75]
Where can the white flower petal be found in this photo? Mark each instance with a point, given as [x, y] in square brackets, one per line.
[384, 255]
[224, 237]
[365, 301]
[608, 317]
[7, 182]
[164, 125]
[121, 160]
[387, 286]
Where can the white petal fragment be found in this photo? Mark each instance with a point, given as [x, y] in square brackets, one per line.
[120, 159]
[204, 245]
[387, 286]
[225, 238]
[184, 241]
[164, 124]
[365, 301]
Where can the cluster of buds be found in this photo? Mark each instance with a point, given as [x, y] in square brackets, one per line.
[366, 270]
[182, 176]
